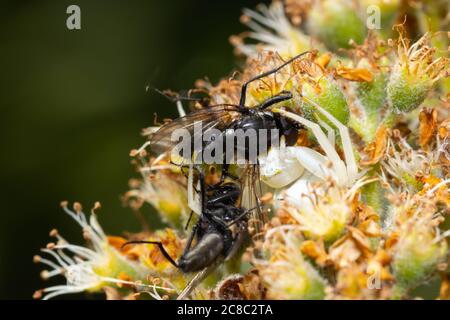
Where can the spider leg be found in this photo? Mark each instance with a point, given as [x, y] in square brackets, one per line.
[330, 132]
[352, 166]
[322, 139]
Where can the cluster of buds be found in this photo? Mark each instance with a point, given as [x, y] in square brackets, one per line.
[358, 206]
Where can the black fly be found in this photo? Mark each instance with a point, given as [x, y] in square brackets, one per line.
[228, 116]
[224, 117]
[218, 234]
[222, 225]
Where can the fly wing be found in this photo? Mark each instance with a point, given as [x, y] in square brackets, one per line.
[218, 117]
[251, 192]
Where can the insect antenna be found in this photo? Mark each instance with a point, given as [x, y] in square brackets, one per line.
[160, 246]
[265, 74]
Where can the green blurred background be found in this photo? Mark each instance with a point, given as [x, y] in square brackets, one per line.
[73, 104]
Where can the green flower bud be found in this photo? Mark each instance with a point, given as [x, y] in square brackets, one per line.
[372, 95]
[414, 74]
[417, 255]
[372, 98]
[328, 95]
[336, 23]
[405, 91]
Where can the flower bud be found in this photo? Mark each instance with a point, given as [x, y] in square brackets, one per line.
[405, 91]
[285, 273]
[166, 194]
[372, 94]
[416, 258]
[419, 249]
[322, 214]
[326, 93]
[414, 74]
[371, 99]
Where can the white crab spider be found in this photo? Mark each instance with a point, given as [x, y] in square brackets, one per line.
[283, 166]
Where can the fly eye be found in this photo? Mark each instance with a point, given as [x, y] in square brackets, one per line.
[291, 136]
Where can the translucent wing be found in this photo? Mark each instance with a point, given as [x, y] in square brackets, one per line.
[218, 117]
[251, 191]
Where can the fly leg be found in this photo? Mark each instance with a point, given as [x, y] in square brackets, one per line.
[225, 168]
[189, 220]
[240, 217]
[190, 239]
[160, 246]
[226, 173]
